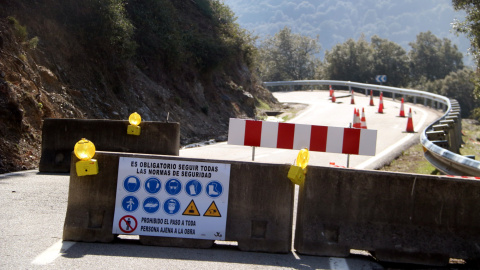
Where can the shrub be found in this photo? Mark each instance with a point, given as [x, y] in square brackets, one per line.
[20, 31]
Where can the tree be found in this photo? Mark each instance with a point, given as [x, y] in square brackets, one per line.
[459, 85]
[433, 58]
[350, 61]
[471, 25]
[390, 59]
[287, 56]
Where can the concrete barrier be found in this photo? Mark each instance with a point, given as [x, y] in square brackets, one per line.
[398, 217]
[60, 135]
[260, 207]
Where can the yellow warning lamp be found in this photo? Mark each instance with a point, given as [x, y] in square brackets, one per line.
[85, 150]
[135, 119]
[297, 172]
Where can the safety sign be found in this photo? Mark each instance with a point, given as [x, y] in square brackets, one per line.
[171, 198]
[127, 224]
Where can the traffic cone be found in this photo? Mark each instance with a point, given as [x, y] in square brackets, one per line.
[410, 122]
[371, 98]
[333, 97]
[358, 124]
[331, 91]
[380, 105]
[363, 120]
[352, 101]
[355, 119]
[381, 99]
[402, 110]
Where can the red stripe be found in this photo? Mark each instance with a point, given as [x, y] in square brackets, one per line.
[351, 141]
[253, 133]
[285, 135]
[318, 138]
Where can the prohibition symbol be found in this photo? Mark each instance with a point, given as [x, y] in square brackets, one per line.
[127, 224]
[212, 211]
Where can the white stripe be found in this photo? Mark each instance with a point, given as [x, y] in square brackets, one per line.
[335, 139]
[53, 252]
[368, 142]
[301, 137]
[236, 131]
[269, 134]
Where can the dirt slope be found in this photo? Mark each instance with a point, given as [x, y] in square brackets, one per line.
[61, 78]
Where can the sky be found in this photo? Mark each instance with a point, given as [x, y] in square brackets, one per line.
[335, 21]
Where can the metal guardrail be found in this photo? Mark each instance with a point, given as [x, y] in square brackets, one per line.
[440, 153]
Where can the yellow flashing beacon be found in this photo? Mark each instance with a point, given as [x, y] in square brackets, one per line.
[135, 120]
[297, 172]
[85, 150]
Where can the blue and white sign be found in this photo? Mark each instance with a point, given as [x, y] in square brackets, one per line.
[381, 78]
[214, 189]
[130, 203]
[151, 205]
[171, 206]
[173, 186]
[193, 188]
[153, 185]
[131, 183]
[171, 198]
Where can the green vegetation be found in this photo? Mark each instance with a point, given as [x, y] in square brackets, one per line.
[262, 105]
[21, 34]
[412, 160]
[288, 56]
[432, 64]
[20, 31]
[159, 33]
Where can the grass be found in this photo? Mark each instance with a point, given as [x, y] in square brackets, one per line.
[262, 105]
[413, 161]
[471, 131]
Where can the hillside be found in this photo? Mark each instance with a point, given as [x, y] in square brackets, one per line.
[66, 59]
[334, 22]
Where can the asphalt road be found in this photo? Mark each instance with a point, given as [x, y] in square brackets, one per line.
[391, 137]
[33, 207]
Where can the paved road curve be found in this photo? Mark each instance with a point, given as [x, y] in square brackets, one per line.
[33, 207]
[391, 137]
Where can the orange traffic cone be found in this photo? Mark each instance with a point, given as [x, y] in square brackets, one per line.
[381, 99]
[410, 122]
[359, 124]
[331, 91]
[333, 97]
[402, 110]
[371, 98]
[356, 120]
[380, 105]
[363, 121]
[352, 101]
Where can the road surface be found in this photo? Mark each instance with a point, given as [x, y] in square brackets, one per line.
[391, 137]
[33, 207]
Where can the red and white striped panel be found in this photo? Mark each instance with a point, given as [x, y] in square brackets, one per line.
[298, 136]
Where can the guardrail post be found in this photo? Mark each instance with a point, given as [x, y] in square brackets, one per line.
[393, 96]
[414, 100]
[457, 127]
[452, 138]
